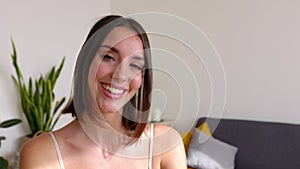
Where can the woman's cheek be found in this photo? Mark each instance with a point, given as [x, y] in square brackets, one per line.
[136, 82]
[103, 70]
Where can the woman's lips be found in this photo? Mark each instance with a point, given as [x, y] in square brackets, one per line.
[113, 91]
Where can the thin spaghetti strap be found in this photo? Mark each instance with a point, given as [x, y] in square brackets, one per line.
[61, 163]
[151, 146]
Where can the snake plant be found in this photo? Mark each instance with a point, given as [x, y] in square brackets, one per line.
[6, 124]
[37, 97]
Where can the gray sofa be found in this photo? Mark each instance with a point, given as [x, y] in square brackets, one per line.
[261, 145]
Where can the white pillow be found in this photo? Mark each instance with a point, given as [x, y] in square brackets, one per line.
[202, 161]
[206, 152]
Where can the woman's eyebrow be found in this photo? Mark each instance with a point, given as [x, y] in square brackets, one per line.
[137, 57]
[110, 48]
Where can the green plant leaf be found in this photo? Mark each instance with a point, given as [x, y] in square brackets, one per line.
[25, 101]
[51, 75]
[37, 100]
[9, 123]
[57, 73]
[50, 124]
[58, 104]
[45, 95]
[55, 121]
[32, 115]
[41, 79]
[15, 63]
[49, 99]
[1, 138]
[3, 163]
[30, 88]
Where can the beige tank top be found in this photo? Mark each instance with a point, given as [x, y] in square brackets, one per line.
[61, 163]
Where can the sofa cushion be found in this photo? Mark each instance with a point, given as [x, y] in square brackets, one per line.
[261, 144]
[206, 152]
[187, 137]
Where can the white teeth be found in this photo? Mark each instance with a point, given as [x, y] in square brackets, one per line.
[112, 90]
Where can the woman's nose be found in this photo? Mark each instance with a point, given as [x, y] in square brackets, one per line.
[120, 74]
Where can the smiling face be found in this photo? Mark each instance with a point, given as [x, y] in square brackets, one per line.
[116, 71]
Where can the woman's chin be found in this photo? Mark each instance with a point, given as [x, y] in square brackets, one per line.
[110, 108]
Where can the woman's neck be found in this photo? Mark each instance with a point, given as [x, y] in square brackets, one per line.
[114, 120]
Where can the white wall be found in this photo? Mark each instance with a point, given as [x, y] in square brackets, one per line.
[258, 43]
[44, 32]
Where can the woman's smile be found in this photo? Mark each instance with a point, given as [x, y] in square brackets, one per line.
[113, 91]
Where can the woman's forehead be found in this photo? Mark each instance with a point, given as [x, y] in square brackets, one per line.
[118, 35]
[123, 41]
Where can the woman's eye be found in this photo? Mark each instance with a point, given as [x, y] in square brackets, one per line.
[108, 57]
[136, 67]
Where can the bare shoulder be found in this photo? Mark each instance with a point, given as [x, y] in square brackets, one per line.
[169, 147]
[38, 153]
[166, 132]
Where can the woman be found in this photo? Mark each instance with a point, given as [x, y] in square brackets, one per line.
[112, 85]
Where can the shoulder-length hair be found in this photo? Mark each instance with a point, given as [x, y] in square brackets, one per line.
[136, 111]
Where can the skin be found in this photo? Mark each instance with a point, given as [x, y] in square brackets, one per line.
[118, 67]
[118, 63]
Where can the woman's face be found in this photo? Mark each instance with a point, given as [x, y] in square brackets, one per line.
[116, 70]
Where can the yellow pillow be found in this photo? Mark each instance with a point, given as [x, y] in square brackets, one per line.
[205, 128]
[187, 137]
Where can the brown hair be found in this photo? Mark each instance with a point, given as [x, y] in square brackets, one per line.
[136, 111]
